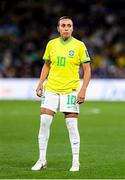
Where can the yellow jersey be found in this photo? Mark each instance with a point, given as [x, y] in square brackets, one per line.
[65, 59]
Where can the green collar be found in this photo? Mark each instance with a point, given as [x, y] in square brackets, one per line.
[65, 42]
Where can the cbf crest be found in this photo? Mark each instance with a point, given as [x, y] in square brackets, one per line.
[71, 53]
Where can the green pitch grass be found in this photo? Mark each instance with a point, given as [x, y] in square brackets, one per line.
[102, 129]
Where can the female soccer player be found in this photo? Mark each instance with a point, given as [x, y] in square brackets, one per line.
[63, 57]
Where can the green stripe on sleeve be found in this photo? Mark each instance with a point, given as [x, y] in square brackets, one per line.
[45, 59]
[86, 61]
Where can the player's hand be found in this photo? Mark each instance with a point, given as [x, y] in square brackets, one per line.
[81, 96]
[39, 91]
[80, 100]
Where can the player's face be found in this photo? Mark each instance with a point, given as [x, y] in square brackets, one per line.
[65, 28]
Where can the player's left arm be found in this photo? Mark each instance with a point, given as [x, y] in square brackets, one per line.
[86, 78]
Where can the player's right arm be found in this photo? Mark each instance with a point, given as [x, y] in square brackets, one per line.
[43, 76]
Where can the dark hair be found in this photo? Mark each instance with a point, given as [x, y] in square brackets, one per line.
[64, 17]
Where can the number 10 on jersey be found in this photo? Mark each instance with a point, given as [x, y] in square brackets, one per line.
[61, 61]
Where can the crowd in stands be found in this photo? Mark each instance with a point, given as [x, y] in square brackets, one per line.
[26, 27]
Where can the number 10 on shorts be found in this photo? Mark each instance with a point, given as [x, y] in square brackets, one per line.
[71, 99]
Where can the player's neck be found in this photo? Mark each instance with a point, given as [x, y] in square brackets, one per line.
[66, 38]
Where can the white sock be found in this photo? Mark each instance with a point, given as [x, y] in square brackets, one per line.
[74, 137]
[43, 136]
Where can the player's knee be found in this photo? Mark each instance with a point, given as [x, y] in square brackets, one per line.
[46, 120]
[71, 124]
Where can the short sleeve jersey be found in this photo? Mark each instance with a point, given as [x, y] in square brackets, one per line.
[65, 59]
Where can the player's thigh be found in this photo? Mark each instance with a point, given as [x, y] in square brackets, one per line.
[68, 103]
[49, 102]
[71, 115]
[47, 111]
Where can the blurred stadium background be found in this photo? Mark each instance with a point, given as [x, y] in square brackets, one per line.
[25, 28]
